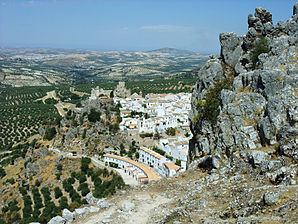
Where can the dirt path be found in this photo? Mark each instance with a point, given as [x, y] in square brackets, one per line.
[144, 207]
[60, 105]
[51, 94]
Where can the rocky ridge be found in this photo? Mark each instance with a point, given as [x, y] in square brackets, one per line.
[254, 127]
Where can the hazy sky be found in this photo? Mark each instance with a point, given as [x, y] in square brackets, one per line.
[129, 24]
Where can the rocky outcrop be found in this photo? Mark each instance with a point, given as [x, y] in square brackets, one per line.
[244, 112]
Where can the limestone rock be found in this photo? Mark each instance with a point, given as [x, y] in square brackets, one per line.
[57, 220]
[257, 157]
[102, 203]
[78, 212]
[93, 209]
[67, 215]
[271, 197]
[91, 199]
[230, 48]
[127, 206]
[263, 15]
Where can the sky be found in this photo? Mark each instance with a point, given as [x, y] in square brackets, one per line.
[129, 25]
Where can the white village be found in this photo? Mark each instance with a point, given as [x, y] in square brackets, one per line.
[164, 118]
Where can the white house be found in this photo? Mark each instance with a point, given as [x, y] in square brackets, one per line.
[151, 158]
[170, 169]
[139, 171]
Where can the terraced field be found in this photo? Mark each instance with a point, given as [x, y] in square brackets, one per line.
[21, 115]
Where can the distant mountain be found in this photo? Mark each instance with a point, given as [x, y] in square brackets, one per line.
[173, 51]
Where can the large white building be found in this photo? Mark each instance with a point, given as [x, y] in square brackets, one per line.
[139, 171]
[151, 158]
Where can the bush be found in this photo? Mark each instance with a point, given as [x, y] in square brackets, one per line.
[58, 192]
[82, 178]
[50, 133]
[85, 161]
[51, 101]
[94, 116]
[209, 107]
[171, 131]
[2, 172]
[63, 203]
[144, 135]
[67, 186]
[261, 46]
[158, 150]
[178, 162]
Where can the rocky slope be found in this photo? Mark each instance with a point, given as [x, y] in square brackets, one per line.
[244, 151]
[244, 105]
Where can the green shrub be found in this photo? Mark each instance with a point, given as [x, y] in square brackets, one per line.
[158, 150]
[209, 108]
[144, 135]
[58, 192]
[51, 101]
[85, 161]
[178, 162]
[171, 131]
[2, 172]
[94, 116]
[50, 133]
[63, 203]
[261, 46]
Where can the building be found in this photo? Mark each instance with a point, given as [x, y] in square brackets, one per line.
[151, 158]
[139, 171]
[170, 169]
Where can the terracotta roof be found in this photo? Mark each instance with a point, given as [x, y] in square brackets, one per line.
[181, 143]
[151, 152]
[184, 153]
[150, 174]
[172, 166]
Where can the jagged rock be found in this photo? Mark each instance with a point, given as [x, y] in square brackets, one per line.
[266, 131]
[57, 220]
[230, 48]
[127, 206]
[295, 9]
[43, 152]
[263, 15]
[216, 161]
[257, 157]
[67, 215]
[102, 203]
[93, 209]
[32, 168]
[271, 197]
[41, 131]
[91, 199]
[78, 212]
[288, 142]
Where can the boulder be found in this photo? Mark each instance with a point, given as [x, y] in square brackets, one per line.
[57, 220]
[264, 15]
[67, 215]
[295, 9]
[80, 211]
[230, 48]
[102, 203]
[271, 197]
[91, 199]
[257, 157]
[93, 209]
[127, 206]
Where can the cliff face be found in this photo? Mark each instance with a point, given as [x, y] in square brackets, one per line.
[245, 103]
